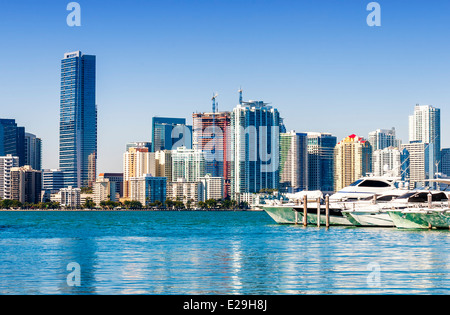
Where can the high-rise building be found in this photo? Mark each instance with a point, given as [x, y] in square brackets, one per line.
[182, 190]
[170, 134]
[211, 188]
[387, 162]
[445, 161]
[26, 184]
[321, 161]
[52, 180]
[115, 179]
[147, 145]
[6, 164]
[104, 190]
[78, 119]
[383, 138]
[161, 164]
[425, 127]
[12, 140]
[136, 163]
[33, 151]
[188, 164]
[421, 165]
[211, 135]
[353, 160]
[293, 162]
[148, 189]
[255, 153]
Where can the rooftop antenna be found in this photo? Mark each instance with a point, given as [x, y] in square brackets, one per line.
[240, 95]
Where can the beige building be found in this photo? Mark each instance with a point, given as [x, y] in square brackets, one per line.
[104, 190]
[183, 190]
[136, 163]
[353, 160]
[26, 184]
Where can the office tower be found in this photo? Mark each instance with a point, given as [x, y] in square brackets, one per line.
[383, 138]
[425, 127]
[421, 163]
[211, 188]
[445, 162]
[136, 163]
[33, 151]
[182, 190]
[78, 119]
[26, 184]
[148, 189]
[255, 140]
[188, 164]
[52, 180]
[211, 135]
[293, 162]
[353, 160]
[321, 161]
[12, 140]
[116, 179]
[104, 190]
[6, 164]
[387, 162]
[170, 133]
[147, 145]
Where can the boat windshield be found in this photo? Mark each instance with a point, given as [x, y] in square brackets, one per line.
[373, 183]
[356, 183]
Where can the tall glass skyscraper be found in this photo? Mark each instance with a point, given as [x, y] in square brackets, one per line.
[78, 119]
[170, 134]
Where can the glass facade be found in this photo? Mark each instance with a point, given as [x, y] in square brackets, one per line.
[78, 118]
[170, 134]
[321, 161]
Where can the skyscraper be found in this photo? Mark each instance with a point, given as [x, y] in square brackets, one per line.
[353, 160]
[78, 119]
[170, 134]
[293, 162]
[255, 153]
[383, 138]
[33, 151]
[425, 127]
[321, 161]
[12, 140]
[6, 164]
[420, 161]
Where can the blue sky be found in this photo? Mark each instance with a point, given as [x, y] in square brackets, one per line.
[318, 62]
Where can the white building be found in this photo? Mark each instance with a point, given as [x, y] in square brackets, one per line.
[387, 162]
[68, 197]
[6, 163]
[104, 190]
[420, 162]
[210, 188]
[184, 191]
[383, 138]
[188, 164]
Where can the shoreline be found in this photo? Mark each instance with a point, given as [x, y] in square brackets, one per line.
[128, 210]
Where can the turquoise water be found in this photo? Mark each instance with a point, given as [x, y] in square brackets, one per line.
[213, 253]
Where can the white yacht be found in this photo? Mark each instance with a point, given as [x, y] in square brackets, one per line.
[361, 189]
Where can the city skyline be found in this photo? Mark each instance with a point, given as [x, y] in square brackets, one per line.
[362, 78]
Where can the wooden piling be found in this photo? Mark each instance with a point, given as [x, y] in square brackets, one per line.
[305, 210]
[327, 210]
[318, 212]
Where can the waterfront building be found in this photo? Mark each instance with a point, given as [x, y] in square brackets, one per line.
[353, 160]
[183, 190]
[115, 179]
[26, 184]
[293, 162]
[161, 164]
[445, 161]
[211, 135]
[33, 151]
[188, 164]
[211, 188]
[425, 127]
[78, 119]
[6, 164]
[104, 190]
[321, 161]
[148, 189]
[255, 153]
[52, 180]
[383, 138]
[136, 163]
[387, 162]
[421, 163]
[12, 140]
[170, 134]
[69, 197]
